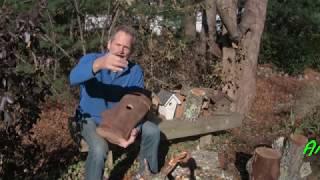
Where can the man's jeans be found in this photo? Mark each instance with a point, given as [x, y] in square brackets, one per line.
[98, 148]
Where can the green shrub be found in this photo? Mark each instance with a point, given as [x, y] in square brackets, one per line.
[291, 37]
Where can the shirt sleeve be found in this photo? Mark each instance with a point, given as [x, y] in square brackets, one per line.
[83, 70]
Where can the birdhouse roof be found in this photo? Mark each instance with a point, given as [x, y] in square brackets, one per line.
[173, 97]
[165, 96]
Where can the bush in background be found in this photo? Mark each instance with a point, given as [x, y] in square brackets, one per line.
[291, 39]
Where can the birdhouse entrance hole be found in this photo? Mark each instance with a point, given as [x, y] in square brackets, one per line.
[129, 106]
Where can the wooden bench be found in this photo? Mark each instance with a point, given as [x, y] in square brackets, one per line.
[179, 128]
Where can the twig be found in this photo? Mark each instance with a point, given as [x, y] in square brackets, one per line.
[104, 28]
[18, 57]
[46, 38]
[151, 64]
[54, 49]
[3, 4]
[160, 81]
[80, 28]
[34, 59]
[114, 19]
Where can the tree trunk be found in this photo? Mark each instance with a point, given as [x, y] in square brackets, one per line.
[190, 25]
[202, 47]
[211, 13]
[265, 164]
[193, 106]
[292, 158]
[239, 65]
[209, 28]
[190, 22]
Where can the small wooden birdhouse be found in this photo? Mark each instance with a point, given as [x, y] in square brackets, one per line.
[168, 104]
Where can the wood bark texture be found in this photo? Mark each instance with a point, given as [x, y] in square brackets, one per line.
[265, 164]
[239, 65]
[292, 157]
[193, 106]
[190, 25]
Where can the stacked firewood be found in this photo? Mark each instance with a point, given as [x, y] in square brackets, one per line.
[192, 103]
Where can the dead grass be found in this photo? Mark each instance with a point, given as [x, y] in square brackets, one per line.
[51, 131]
[269, 117]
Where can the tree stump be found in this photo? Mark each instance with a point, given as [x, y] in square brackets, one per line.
[292, 157]
[193, 105]
[265, 164]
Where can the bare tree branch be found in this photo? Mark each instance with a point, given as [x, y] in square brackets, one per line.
[53, 35]
[114, 19]
[80, 27]
[48, 39]
[4, 3]
[102, 40]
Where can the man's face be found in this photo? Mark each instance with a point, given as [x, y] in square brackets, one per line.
[121, 44]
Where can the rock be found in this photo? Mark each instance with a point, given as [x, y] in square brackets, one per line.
[305, 169]
[306, 77]
[207, 167]
[315, 166]
[205, 141]
[259, 73]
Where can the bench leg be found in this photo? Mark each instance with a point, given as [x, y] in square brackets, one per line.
[110, 159]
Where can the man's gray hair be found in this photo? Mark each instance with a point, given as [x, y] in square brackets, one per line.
[126, 29]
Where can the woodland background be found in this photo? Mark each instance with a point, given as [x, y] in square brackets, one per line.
[40, 41]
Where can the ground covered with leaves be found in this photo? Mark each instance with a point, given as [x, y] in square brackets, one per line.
[270, 117]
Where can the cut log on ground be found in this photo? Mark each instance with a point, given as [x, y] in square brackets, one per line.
[265, 164]
[292, 157]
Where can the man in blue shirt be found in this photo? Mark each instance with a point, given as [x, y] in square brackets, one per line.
[103, 79]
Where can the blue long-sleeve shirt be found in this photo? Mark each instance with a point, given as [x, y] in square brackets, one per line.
[102, 90]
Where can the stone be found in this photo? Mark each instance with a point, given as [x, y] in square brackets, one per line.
[305, 169]
[207, 167]
[204, 141]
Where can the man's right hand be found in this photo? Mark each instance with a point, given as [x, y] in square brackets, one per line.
[110, 61]
[125, 143]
